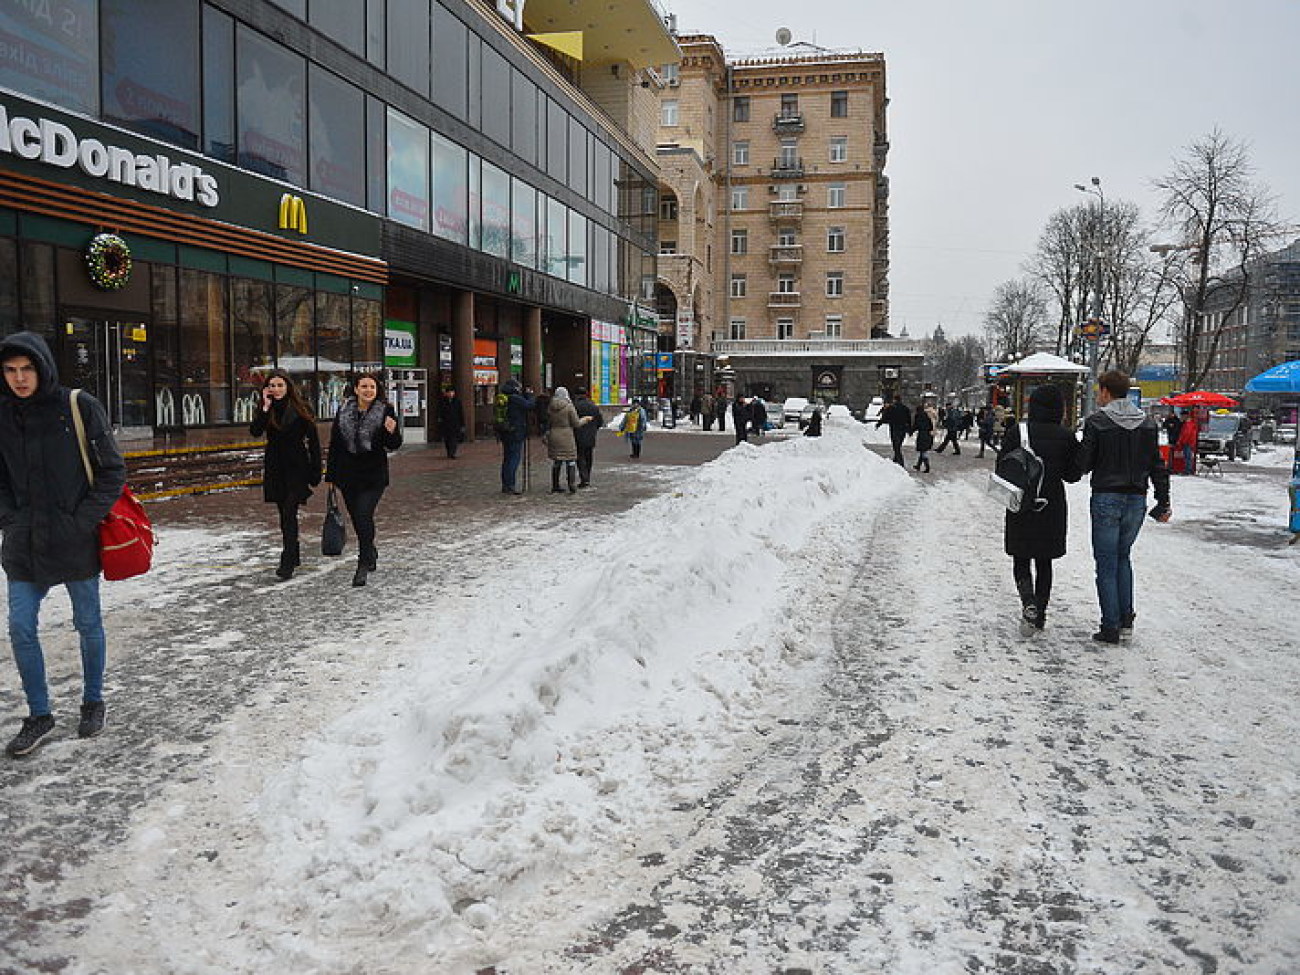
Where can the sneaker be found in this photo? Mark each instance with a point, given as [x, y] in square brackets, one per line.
[1126, 625]
[30, 735]
[1106, 636]
[92, 719]
[1029, 621]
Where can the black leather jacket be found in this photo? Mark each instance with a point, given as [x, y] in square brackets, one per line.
[1123, 457]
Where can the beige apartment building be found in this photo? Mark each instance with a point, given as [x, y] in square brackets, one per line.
[774, 221]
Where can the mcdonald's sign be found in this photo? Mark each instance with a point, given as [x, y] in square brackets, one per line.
[293, 213]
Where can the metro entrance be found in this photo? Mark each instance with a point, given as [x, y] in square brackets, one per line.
[110, 360]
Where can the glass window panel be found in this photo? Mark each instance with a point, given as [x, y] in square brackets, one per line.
[523, 118]
[740, 109]
[408, 171]
[343, 20]
[474, 97]
[333, 349]
[337, 137]
[367, 335]
[55, 58]
[164, 343]
[557, 140]
[523, 223]
[218, 85]
[557, 237]
[9, 305]
[496, 211]
[577, 156]
[295, 336]
[496, 96]
[408, 43]
[272, 104]
[151, 67]
[37, 264]
[450, 61]
[577, 259]
[376, 31]
[205, 362]
[376, 155]
[296, 7]
[475, 202]
[450, 190]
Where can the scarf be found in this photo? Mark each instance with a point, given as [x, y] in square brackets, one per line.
[359, 428]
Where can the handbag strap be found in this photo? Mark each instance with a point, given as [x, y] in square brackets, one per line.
[80, 424]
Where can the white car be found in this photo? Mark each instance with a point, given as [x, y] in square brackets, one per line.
[873, 410]
[792, 409]
[838, 411]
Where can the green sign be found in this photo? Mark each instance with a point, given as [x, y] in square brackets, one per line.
[400, 349]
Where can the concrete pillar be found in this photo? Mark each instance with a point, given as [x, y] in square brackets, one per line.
[462, 357]
[533, 349]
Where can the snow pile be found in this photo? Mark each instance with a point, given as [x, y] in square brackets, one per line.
[532, 721]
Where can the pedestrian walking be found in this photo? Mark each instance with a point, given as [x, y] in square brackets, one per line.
[633, 426]
[49, 512]
[1189, 435]
[953, 419]
[365, 431]
[519, 404]
[741, 412]
[1035, 535]
[757, 415]
[697, 407]
[451, 421]
[291, 463]
[1121, 448]
[814, 428]
[984, 422]
[899, 420]
[923, 422]
[561, 441]
[721, 405]
[707, 411]
[585, 435]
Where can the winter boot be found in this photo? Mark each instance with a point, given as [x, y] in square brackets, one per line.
[927, 466]
[92, 719]
[555, 479]
[359, 577]
[1126, 625]
[571, 476]
[288, 562]
[1029, 620]
[30, 735]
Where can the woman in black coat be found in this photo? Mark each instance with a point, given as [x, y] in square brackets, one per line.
[365, 430]
[923, 424]
[291, 465]
[1034, 538]
[451, 421]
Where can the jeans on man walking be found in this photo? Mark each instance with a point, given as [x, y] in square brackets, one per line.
[1116, 521]
[511, 454]
[24, 618]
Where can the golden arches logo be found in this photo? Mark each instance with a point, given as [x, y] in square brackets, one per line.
[293, 213]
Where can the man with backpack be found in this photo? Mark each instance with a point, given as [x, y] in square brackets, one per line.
[1121, 447]
[511, 421]
[50, 512]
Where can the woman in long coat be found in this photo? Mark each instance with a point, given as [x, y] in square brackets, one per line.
[291, 464]
[923, 425]
[1034, 538]
[365, 430]
[561, 445]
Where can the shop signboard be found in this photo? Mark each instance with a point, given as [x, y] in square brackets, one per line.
[485, 362]
[399, 344]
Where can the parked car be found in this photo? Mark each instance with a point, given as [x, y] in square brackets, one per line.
[872, 413]
[1225, 434]
[775, 415]
[792, 409]
[838, 411]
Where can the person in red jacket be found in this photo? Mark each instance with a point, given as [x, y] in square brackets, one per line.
[1188, 434]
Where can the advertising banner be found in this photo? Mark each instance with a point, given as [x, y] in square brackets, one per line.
[399, 344]
[485, 362]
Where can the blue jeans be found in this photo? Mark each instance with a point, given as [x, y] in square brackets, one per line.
[512, 453]
[1116, 521]
[24, 612]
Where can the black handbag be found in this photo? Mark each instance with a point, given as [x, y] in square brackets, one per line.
[334, 535]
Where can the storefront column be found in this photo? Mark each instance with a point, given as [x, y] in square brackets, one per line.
[533, 349]
[462, 357]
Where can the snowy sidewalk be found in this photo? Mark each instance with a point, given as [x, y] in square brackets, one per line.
[810, 741]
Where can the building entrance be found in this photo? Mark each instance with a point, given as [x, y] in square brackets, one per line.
[109, 358]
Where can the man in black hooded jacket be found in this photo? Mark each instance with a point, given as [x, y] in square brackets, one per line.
[49, 512]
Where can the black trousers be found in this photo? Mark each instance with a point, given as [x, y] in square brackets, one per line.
[585, 457]
[451, 443]
[1033, 580]
[896, 439]
[289, 526]
[361, 504]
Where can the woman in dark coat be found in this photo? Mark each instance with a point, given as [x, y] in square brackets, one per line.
[365, 430]
[451, 421]
[291, 466]
[923, 425]
[1034, 538]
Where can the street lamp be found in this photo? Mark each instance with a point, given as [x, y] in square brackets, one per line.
[1093, 333]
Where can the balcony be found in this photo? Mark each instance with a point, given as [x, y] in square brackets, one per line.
[783, 299]
[785, 211]
[785, 254]
[787, 122]
[787, 167]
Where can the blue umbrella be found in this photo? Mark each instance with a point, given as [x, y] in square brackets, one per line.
[1280, 379]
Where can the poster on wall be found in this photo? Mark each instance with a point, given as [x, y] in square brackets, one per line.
[399, 344]
[485, 362]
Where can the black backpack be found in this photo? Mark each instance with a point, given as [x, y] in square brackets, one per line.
[1020, 473]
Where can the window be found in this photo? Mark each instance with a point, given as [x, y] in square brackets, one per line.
[835, 194]
[839, 148]
[143, 57]
[787, 192]
[739, 197]
[786, 237]
[450, 190]
[835, 240]
[668, 109]
[789, 105]
[336, 137]
[834, 326]
[740, 109]
[450, 61]
[667, 247]
[839, 104]
[409, 59]
[740, 242]
[668, 207]
[789, 153]
[785, 284]
[785, 328]
[740, 154]
[739, 286]
[738, 329]
[670, 73]
[408, 172]
[271, 112]
[834, 284]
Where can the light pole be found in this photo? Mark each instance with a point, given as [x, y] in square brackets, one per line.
[1092, 333]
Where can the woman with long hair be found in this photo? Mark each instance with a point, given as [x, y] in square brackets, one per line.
[291, 466]
[365, 430]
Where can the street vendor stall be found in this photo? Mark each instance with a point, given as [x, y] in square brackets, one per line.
[1284, 380]
[1033, 371]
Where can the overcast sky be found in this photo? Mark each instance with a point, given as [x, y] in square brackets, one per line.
[998, 107]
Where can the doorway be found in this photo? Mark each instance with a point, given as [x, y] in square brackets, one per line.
[109, 358]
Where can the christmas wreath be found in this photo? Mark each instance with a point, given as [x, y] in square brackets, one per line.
[109, 261]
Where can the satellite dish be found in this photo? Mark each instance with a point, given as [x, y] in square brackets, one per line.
[783, 36]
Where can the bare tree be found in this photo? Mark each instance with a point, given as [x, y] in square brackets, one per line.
[1016, 321]
[955, 366]
[1063, 263]
[1224, 218]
